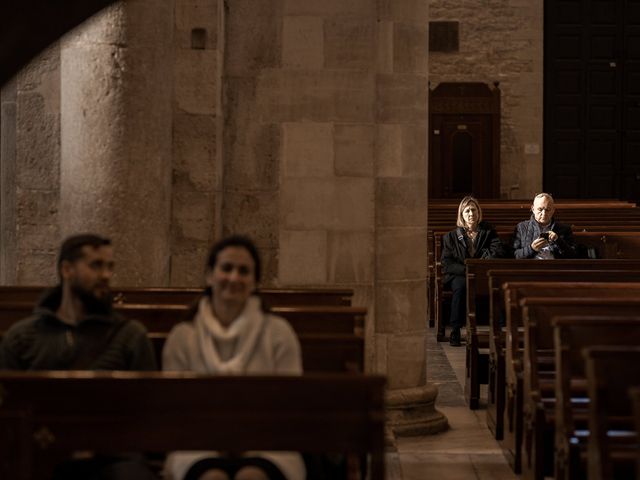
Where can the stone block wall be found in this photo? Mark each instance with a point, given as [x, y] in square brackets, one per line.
[197, 136]
[31, 172]
[501, 40]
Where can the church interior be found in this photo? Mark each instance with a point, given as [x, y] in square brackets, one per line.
[340, 136]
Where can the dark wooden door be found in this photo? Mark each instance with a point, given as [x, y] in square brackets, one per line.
[591, 102]
[465, 159]
[464, 140]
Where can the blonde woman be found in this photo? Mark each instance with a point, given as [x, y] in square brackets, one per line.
[473, 238]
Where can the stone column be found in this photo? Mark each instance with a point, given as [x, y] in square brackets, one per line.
[325, 163]
[29, 172]
[401, 215]
[116, 135]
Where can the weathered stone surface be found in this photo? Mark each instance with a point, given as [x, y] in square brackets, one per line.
[303, 257]
[505, 44]
[384, 55]
[401, 202]
[8, 211]
[350, 258]
[322, 96]
[358, 34]
[253, 39]
[341, 204]
[401, 254]
[188, 266]
[37, 143]
[116, 109]
[362, 8]
[353, 145]
[254, 214]
[308, 149]
[193, 215]
[410, 48]
[190, 14]
[196, 81]
[411, 11]
[36, 268]
[380, 358]
[402, 98]
[401, 150]
[251, 160]
[406, 361]
[401, 306]
[302, 42]
[38, 207]
[195, 149]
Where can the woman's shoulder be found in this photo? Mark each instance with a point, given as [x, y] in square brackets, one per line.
[279, 325]
[183, 330]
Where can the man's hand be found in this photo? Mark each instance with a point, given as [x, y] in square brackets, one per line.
[553, 236]
[539, 243]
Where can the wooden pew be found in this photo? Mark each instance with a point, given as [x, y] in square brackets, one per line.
[321, 352]
[610, 372]
[606, 244]
[478, 307]
[186, 296]
[497, 333]
[514, 365]
[162, 317]
[572, 335]
[634, 394]
[539, 369]
[45, 416]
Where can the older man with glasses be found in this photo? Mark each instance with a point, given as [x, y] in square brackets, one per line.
[541, 237]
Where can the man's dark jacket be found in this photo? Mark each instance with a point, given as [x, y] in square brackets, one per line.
[526, 232]
[455, 249]
[101, 341]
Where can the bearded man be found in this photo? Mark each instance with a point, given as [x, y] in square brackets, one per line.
[74, 327]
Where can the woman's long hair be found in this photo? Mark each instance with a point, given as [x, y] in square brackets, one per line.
[463, 204]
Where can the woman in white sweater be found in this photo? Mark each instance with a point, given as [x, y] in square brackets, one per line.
[230, 334]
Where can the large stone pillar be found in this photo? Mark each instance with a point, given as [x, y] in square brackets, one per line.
[401, 215]
[29, 171]
[326, 165]
[116, 135]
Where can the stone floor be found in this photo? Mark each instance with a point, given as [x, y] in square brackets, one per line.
[465, 451]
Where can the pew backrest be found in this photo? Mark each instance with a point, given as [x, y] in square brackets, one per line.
[610, 370]
[49, 414]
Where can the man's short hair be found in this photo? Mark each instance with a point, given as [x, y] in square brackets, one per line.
[543, 195]
[71, 249]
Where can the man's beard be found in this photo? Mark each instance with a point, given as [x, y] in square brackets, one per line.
[93, 304]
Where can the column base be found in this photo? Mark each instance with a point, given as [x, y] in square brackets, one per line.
[412, 411]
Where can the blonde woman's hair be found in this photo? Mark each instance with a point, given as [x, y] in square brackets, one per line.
[463, 204]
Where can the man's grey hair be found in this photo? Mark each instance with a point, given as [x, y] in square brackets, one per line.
[543, 195]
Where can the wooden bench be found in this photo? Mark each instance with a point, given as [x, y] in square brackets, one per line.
[478, 307]
[162, 317]
[46, 416]
[321, 352]
[606, 245]
[186, 296]
[634, 394]
[610, 372]
[572, 335]
[497, 320]
[539, 370]
[514, 364]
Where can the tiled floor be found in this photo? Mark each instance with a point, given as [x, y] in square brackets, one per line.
[465, 451]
